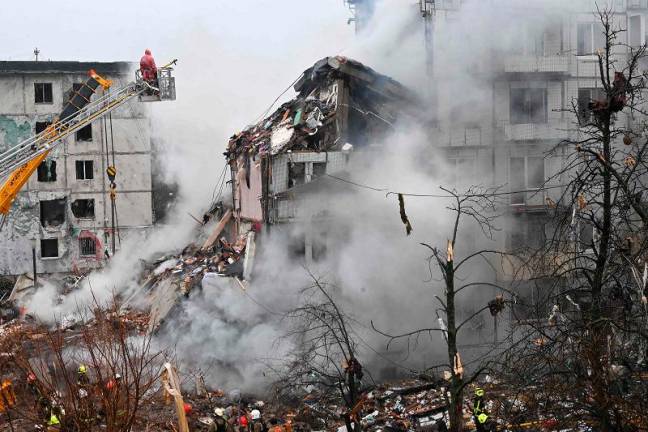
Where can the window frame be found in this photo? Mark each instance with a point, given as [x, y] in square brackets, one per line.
[84, 248]
[528, 114]
[526, 185]
[594, 93]
[85, 128]
[40, 171]
[592, 28]
[43, 93]
[83, 163]
[58, 254]
[92, 203]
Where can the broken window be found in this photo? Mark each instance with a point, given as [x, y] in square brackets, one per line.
[52, 212]
[47, 171]
[41, 126]
[590, 38]
[43, 92]
[83, 208]
[296, 173]
[84, 134]
[528, 105]
[585, 97]
[87, 246]
[84, 170]
[49, 248]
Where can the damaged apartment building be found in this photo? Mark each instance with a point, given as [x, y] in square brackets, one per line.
[524, 85]
[64, 212]
[342, 107]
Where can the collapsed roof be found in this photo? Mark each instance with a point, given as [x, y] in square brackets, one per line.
[339, 100]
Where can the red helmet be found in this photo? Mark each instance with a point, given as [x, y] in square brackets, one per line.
[187, 408]
[147, 51]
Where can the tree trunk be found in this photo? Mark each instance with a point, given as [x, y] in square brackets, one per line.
[456, 382]
[595, 325]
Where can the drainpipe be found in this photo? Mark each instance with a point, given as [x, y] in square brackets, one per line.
[34, 262]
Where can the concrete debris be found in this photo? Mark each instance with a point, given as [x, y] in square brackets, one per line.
[309, 120]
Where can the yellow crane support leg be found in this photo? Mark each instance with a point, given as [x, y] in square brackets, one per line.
[16, 181]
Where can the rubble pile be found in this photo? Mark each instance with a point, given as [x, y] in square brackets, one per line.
[193, 263]
[408, 405]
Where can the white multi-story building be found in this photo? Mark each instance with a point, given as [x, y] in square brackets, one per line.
[65, 212]
[536, 63]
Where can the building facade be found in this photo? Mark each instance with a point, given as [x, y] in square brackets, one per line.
[64, 212]
[526, 78]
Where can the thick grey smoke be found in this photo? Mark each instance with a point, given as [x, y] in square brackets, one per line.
[226, 79]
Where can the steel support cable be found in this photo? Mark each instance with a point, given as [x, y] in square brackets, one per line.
[113, 195]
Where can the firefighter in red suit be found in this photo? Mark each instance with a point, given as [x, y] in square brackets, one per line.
[148, 68]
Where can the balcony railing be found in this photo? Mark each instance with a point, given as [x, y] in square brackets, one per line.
[529, 64]
[637, 4]
[535, 131]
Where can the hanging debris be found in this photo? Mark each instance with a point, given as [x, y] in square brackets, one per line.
[403, 215]
[629, 161]
[496, 305]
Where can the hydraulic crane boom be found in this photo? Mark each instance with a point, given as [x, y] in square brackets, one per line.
[21, 160]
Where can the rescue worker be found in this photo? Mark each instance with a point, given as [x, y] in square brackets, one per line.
[55, 417]
[257, 423]
[220, 423]
[82, 376]
[483, 423]
[244, 425]
[53, 423]
[275, 426]
[478, 402]
[148, 68]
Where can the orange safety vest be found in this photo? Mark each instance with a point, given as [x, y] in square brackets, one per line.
[7, 395]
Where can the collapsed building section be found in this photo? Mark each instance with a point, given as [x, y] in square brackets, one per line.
[342, 106]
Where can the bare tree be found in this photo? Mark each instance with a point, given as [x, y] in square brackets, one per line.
[122, 372]
[593, 342]
[325, 355]
[478, 205]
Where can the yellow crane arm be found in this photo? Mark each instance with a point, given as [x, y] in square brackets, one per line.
[16, 181]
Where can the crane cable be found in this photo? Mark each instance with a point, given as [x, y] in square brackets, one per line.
[111, 172]
[112, 145]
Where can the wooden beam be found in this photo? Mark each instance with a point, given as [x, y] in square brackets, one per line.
[218, 230]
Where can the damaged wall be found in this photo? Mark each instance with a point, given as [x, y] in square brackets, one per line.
[80, 166]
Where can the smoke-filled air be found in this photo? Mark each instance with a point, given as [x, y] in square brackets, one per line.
[370, 215]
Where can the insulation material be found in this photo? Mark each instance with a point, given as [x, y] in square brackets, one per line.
[250, 197]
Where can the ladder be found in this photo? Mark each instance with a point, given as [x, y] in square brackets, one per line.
[44, 142]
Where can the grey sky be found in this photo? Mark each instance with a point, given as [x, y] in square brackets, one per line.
[121, 29]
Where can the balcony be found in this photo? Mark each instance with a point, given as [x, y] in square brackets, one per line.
[536, 131]
[459, 137]
[637, 4]
[537, 64]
